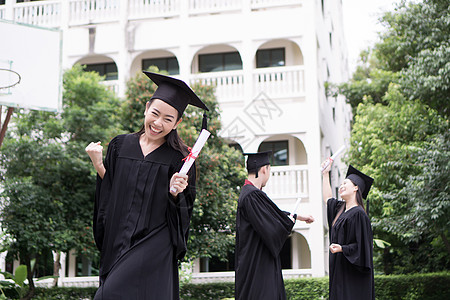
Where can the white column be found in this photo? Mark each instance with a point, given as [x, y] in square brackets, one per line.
[3, 263]
[65, 16]
[184, 55]
[9, 12]
[123, 61]
[62, 271]
[313, 145]
[196, 266]
[247, 58]
[72, 264]
[16, 263]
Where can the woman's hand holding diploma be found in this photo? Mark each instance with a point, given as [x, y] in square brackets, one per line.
[188, 162]
[178, 183]
[330, 160]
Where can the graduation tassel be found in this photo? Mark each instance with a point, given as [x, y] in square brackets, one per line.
[205, 122]
[367, 206]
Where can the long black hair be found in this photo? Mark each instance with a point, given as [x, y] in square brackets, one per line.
[172, 138]
[359, 201]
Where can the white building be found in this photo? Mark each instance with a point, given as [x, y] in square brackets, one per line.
[270, 61]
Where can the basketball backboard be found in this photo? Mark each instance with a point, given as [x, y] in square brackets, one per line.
[32, 55]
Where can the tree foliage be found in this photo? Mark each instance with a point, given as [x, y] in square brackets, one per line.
[414, 51]
[48, 181]
[399, 95]
[402, 145]
[417, 45]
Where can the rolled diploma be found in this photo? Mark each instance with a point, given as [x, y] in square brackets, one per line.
[333, 157]
[297, 204]
[202, 138]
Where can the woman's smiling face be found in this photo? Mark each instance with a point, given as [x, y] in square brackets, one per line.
[347, 188]
[160, 119]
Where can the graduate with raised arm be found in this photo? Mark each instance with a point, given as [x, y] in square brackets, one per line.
[261, 231]
[351, 239]
[143, 205]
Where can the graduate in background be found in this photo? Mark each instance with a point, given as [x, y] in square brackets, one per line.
[261, 231]
[140, 224]
[351, 239]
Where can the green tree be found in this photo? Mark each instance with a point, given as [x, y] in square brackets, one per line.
[389, 142]
[414, 51]
[416, 44]
[48, 180]
[220, 170]
[399, 95]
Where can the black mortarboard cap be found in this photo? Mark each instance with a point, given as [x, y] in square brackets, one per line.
[176, 93]
[257, 160]
[363, 181]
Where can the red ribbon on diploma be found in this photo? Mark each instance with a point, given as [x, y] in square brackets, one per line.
[190, 155]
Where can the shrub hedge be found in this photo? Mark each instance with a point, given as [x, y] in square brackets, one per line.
[430, 286]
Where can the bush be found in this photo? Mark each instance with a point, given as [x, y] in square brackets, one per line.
[431, 286]
[65, 293]
[307, 288]
[207, 291]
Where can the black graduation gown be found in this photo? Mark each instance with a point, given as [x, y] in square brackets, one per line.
[351, 271]
[139, 228]
[261, 231]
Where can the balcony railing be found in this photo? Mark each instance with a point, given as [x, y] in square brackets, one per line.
[89, 11]
[229, 84]
[139, 9]
[49, 13]
[2, 12]
[81, 282]
[113, 85]
[258, 4]
[229, 276]
[42, 13]
[92, 281]
[288, 182]
[213, 6]
[279, 81]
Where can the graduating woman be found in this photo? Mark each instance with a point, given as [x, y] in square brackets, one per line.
[140, 223]
[351, 240]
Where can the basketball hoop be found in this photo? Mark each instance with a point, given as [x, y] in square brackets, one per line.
[8, 78]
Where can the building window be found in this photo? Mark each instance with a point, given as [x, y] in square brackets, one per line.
[280, 152]
[267, 58]
[236, 146]
[214, 264]
[109, 70]
[85, 266]
[219, 62]
[169, 64]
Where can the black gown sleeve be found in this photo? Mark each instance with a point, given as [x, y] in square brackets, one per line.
[103, 189]
[180, 213]
[359, 251]
[271, 224]
[333, 206]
